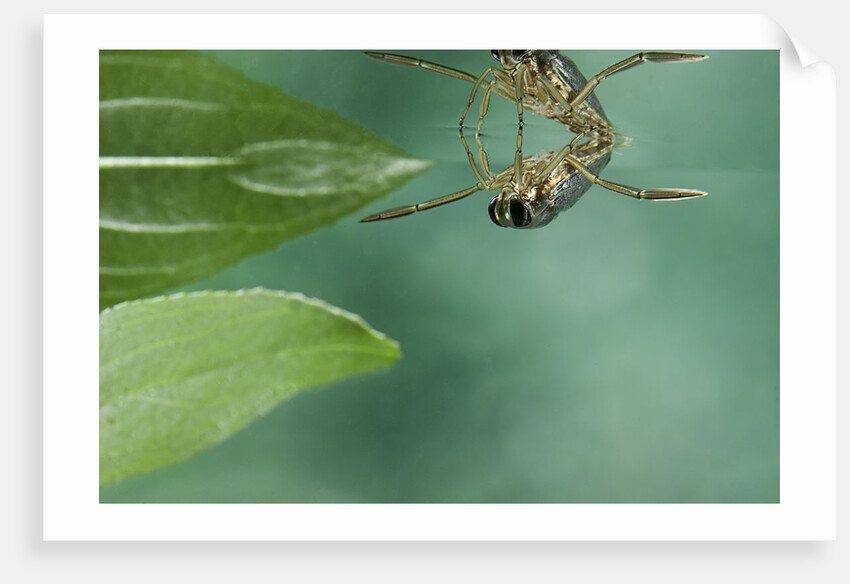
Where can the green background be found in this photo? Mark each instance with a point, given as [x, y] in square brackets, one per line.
[626, 353]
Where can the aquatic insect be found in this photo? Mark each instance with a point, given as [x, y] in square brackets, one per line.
[534, 189]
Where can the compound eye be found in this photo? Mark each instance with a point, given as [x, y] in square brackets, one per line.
[520, 214]
[496, 54]
[491, 210]
[518, 55]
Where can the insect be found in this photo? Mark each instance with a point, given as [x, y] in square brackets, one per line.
[535, 189]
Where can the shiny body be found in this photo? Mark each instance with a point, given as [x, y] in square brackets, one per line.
[551, 192]
[536, 188]
[565, 77]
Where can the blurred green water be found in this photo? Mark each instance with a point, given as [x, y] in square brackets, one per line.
[628, 352]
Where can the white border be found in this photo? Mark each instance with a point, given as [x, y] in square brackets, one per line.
[71, 509]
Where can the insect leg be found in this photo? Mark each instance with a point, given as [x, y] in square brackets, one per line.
[655, 194]
[428, 65]
[503, 85]
[474, 93]
[498, 181]
[575, 122]
[559, 157]
[519, 88]
[545, 87]
[410, 209]
[482, 179]
[482, 154]
[634, 60]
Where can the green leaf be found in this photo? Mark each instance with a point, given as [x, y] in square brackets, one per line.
[180, 373]
[201, 167]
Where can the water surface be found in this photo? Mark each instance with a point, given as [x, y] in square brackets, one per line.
[626, 353]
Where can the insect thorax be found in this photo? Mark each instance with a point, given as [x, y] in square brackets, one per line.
[565, 76]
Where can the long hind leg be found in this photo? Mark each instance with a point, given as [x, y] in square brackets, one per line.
[428, 65]
[634, 60]
[410, 209]
[653, 194]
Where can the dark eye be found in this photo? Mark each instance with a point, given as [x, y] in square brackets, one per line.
[520, 215]
[491, 210]
[517, 55]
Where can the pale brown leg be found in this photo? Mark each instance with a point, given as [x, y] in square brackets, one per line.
[634, 60]
[519, 88]
[653, 194]
[410, 209]
[428, 65]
